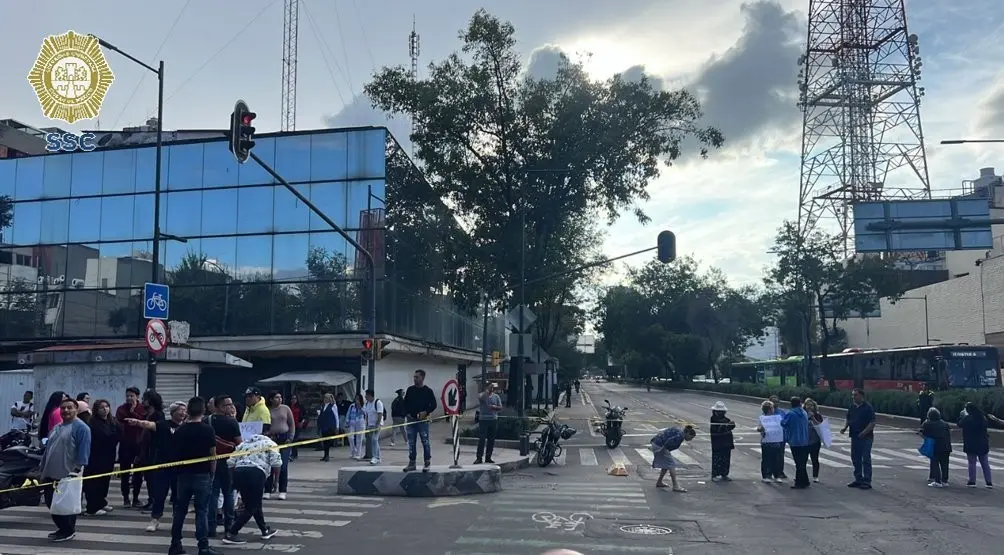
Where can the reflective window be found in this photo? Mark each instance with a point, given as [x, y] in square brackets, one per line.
[56, 221]
[289, 256]
[254, 209]
[28, 182]
[252, 313]
[359, 200]
[27, 223]
[292, 158]
[142, 216]
[221, 253]
[119, 265]
[85, 219]
[8, 174]
[289, 213]
[251, 173]
[367, 151]
[254, 258]
[330, 199]
[117, 218]
[337, 252]
[204, 307]
[146, 168]
[52, 259]
[185, 168]
[219, 211]
[87, 173]
[56, 176]
[328, 156]
[173, 253]
[286, 309]
[81, 311]
[183, 213]
[120, 171]
[219, 166]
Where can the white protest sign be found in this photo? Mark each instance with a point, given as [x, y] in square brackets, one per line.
[772, 428]
[249, 430]
[825, 434]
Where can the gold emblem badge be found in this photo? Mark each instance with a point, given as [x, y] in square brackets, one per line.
[71, 77]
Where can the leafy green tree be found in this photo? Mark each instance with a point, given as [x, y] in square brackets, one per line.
[489, 139]
[330, 300]
[815, 280]
[22, 309]
[6, 214]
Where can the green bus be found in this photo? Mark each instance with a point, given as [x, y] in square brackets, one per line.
[770, 372]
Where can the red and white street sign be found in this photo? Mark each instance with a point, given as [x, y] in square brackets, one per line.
[156, 336]
[450, 397]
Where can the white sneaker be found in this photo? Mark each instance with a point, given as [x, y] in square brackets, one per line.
[815, 480]
[154, 524]
[765, 480]
[778, 480]
[392, 444]
[282, 496]
[935, 485]
[267, 496]
[374, 462]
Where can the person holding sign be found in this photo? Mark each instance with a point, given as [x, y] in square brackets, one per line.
[815, 439]
[771, 444]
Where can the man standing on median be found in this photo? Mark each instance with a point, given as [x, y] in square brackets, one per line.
[488, 419]
[861, 421]
[419, 404]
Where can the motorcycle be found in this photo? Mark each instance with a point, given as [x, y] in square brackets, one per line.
[14, 438]
[612, 428]
[18, 465]
[547, 446]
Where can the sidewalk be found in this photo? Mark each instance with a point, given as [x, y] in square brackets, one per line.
[584, 411]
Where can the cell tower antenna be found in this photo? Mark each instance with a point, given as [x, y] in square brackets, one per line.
[414, 49]
[860, 101]
[290, 30]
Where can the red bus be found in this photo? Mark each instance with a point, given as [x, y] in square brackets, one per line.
[908, 368]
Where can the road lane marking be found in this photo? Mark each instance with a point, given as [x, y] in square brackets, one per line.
[646, 454]
[618, 456]
[683, 458]
[587, 457]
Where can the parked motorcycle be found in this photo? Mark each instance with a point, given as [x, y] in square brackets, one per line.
[14, 438]
[547, 446]
[612, 428]
[18, 465]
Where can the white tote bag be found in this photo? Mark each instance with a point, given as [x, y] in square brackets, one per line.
[66, 497]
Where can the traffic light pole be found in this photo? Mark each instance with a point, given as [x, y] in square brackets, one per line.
[371, 370]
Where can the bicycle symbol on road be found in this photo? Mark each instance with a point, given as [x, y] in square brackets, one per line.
[156, 302]
[571, 523]
[646, 530]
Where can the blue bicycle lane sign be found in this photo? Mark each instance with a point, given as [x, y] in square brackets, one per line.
[156, 301]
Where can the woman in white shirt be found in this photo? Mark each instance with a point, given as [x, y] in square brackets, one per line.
[373, 411]
[356, 425]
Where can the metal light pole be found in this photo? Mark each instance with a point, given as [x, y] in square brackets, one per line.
[969, 141]
[151, 366]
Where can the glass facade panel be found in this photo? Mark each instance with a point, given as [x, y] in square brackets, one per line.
[256, 260]
[56, 176]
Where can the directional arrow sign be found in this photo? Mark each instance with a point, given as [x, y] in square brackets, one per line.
[450, 397]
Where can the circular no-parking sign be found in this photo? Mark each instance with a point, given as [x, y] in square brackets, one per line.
[156, 335]
[450, 397]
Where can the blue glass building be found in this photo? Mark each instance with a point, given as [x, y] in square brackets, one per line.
[254, 261]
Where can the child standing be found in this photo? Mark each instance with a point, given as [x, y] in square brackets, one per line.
[721, 442]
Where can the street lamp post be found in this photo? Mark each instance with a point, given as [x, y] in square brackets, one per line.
[151, 366]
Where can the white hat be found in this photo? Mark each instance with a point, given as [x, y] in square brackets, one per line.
[720, 405]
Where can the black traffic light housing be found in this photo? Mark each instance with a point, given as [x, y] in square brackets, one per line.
[367, 352]
[381, 344]
[666, 244]
[242, 131]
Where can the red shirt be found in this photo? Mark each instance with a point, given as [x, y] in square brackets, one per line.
[297, 411]
[130, 434]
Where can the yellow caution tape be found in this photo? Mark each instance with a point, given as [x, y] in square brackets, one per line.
[33, 483]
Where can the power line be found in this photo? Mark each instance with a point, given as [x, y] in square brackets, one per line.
[222, 48]
[362, 29]
[324, 56]
[145, 74]
[341, 38]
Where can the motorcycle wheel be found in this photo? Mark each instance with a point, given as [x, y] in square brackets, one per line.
[545, 456]
[612, 442]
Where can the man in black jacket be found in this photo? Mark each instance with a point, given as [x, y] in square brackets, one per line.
[398, 416]
[419, 404]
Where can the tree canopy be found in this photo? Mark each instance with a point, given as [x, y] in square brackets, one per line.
[562, 154]
[672, 320]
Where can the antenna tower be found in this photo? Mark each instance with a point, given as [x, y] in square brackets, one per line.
[414, 49]
[861, 133]
[290, 26]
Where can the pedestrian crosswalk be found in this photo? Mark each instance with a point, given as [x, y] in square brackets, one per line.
[567, 516]
[306, 522]
[699, 457]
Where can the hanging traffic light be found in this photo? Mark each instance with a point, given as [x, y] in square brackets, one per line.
[378, 352]
[367, 352]
[242, 131]
[496, 359]
[666, 244]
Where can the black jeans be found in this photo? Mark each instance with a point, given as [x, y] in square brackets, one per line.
[721, 462]
[66, 524]
[250, 483]
[130, 482]
[772, 460]
[487, 429]
[801, 458]
[96, 489]
[814, 457]
[192, 487]
[939, 467]
[222, 485]
[161, 482]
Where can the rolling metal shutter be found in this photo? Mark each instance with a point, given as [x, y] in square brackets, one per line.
[176, 387]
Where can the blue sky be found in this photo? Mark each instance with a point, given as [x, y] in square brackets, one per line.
[724, 210]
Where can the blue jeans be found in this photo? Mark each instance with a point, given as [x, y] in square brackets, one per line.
[197, 487]
[861, 457]
[281, 439]
[222, 484]
[418, 428]
[374, 439]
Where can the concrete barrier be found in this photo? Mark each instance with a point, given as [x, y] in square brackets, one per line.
[439, 481]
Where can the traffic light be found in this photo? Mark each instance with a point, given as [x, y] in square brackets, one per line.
[496, 359]
[242, 131]
[380, 347]
[367, 353]
[666, 246]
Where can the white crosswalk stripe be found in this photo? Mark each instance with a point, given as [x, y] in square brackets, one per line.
[122, 532]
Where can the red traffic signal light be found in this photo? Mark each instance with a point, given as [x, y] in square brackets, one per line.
[241, 131]
[249, 118]
[368, 344]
